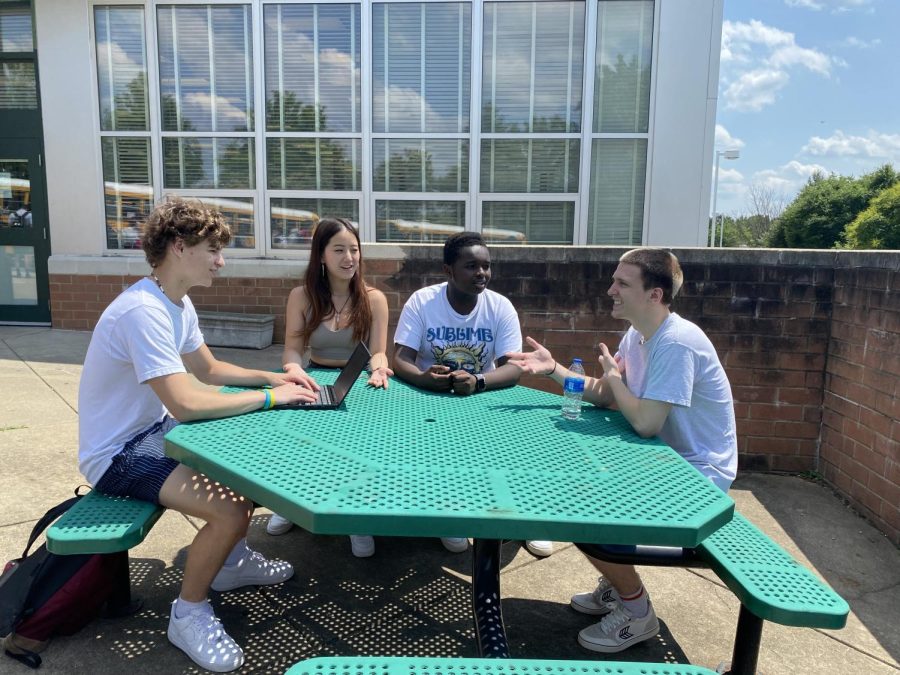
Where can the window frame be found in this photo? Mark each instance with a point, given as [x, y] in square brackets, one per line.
[366, 195]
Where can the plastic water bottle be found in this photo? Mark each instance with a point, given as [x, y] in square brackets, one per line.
[573, 389]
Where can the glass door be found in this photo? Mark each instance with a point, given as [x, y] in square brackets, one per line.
[24, 242]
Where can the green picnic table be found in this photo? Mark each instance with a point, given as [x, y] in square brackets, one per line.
[498, 465]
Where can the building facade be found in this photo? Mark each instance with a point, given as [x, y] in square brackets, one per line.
[536, 122]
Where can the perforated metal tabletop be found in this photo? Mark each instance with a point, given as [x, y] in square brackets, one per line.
[497, 465]
[501, 464]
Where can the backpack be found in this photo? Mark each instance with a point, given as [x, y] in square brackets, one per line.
[44, 594]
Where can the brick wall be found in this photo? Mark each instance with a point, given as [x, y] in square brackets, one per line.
[860, 439]
[809, 339]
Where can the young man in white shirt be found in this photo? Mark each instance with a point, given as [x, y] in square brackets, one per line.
[457, 336]
[666, 379]
[135, 387]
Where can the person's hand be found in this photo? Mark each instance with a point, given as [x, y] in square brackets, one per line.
[292, 393]
[540, 361]
[438, 378]
[462, 382]
[296, 374]
[611, 366]
[380, 377]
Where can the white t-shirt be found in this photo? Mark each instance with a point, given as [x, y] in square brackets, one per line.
[679, 365]
[141, 335]
[471, 342]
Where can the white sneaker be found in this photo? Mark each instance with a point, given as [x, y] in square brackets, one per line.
[200, 635]
[362, 545]
[252, 570]
[455, 544]
[539, 547]
[278, 524]
[618, 630]
[598, 602]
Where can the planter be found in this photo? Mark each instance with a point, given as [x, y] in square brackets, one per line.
[226, 329]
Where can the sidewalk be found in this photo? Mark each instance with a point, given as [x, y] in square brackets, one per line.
[412, 598]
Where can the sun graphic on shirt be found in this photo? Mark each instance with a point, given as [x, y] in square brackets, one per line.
[460, 356]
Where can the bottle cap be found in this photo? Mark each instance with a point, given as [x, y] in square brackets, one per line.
[576, 360]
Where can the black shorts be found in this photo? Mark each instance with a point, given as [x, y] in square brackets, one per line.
[141, 467]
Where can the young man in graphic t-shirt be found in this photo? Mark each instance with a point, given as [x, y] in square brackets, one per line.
[456, 336]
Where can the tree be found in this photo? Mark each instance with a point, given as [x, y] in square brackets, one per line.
[819, 215]
[879, 225]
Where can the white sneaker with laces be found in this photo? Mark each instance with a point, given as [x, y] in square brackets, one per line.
[252, 570]
[597, 602]
[278, 524]
[200, 635]
[619, 630]
[455, 544]
[539, 547]
[362, 546]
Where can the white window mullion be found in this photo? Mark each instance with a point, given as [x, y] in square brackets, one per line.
[211, 47]
[532, 74]
[582, 210]
[280, 38]
[262, 224]
[473, 206]
[367, 202]
[422, 106]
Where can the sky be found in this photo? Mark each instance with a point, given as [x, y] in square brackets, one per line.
[805, 85]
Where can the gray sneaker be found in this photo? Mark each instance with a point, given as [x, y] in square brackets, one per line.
[598, 602]
[200, 635]
[619, 630]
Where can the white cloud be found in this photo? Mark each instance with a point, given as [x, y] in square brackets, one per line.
[858, 43]
[757, 62]
[874, 145]
[730, 176]
[724, 139]
[788, 178]
[836, 6]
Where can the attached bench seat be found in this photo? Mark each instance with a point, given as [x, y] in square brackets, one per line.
[98, 523]
[770, 584]
[390, 665]
[768, 581]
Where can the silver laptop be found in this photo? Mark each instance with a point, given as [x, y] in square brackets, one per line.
[331, 396]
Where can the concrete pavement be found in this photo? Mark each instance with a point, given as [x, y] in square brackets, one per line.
[412, 597]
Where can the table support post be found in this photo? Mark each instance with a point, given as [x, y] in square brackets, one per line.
[746, 643]
[490, 633]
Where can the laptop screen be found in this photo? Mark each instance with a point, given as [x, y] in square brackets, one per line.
[351, 371]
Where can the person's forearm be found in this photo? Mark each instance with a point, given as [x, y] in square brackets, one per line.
[505, 376]
[291, 356]
[627, 403]
[200, 404]
[378, 360]
[224, 373]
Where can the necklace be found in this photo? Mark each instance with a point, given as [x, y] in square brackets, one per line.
[337, 312]
[156, 279]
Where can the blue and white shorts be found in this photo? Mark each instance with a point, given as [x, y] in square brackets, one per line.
[141, 467]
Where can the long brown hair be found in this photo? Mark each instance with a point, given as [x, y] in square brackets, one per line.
[318, 290]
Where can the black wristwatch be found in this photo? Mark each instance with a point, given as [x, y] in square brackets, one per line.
[479, 382]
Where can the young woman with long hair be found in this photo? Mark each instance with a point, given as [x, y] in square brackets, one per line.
[325, 318]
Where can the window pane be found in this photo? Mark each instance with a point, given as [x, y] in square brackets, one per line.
[293, 220]
[217, 163]
[312, 67]
[128, 189]
[121, 68]
[313, 163]
[618, 173]
[206, 68]
[418, 221]
[529, 222]
[15, 29]
[421, 67]
[532, 66]
[420, 165]
[622, 84]
[17, 86]
[538, 165]
[18, 283]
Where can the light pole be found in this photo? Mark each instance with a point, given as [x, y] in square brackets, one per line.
[727, 154]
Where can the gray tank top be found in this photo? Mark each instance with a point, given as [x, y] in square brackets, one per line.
[331, 345]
